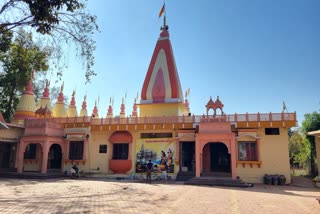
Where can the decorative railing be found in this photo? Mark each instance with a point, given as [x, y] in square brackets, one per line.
[233, 118]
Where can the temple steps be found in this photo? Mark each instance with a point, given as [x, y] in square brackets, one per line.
[30, 175]
[217, 181]
[184, 176]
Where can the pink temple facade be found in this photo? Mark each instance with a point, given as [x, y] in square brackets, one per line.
[45, 139]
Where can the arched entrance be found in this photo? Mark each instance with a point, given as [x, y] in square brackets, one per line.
[55, 157]
[32, 157]
[216, 159]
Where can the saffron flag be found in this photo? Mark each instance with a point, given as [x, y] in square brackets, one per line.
[187, 92]
[284, 107]
[161, 11]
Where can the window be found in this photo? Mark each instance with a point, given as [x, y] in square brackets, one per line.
[103, 148]
[30, 152]
[156, 135]
[272, 131]
[247, 151]
[120, 151]
[76, 150]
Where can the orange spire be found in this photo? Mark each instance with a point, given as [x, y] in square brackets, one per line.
[46, 92]
[162, 83]
[95, 111]
[84, 103]
[110, 109]
[45, 101]
[72, 110]
[134, 110]
[122, 109]
[83, 111]
[73, 102]
[60, 97]
[59, 110]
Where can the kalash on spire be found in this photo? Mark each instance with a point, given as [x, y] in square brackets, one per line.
[161, 93]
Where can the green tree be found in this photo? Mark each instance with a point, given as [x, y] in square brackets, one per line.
[311, 123]
[59, 22]
[5, 40]
[299, 149]
[22, 58]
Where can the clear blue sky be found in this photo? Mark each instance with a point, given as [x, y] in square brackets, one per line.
[254, 54]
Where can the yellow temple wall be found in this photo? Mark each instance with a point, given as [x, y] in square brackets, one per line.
[274, 157]
[95, 159]
[101, 160]
[159, 110]
[11, 134]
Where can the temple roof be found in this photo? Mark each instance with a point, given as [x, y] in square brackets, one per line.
[83, 111]
[72, 110]
[27, 105]
[59, 110]
[45, 101]
[95, 113]
[27, 101]
[162, 83]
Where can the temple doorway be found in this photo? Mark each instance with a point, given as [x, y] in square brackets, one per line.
[187, 158]
[55, 157]
[7, 156]
[216, 159]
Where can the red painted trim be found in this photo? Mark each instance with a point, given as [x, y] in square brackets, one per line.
[159, 89]
[121, 137]
[173, 74]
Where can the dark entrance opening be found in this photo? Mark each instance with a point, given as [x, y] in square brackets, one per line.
[220, 158]
[55, 157]
[7, 155]
[216, 159]
[187, 160]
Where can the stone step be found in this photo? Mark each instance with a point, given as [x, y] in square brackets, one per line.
[216, 181]
[184, 176]
[30, 175]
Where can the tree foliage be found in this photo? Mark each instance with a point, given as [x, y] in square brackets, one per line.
[21, 59]
[299, 149]
[60, 22]
[311, 123]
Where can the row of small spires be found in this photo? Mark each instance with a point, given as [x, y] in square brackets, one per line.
[44, 106]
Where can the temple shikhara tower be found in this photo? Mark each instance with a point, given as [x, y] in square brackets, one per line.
[46, 138]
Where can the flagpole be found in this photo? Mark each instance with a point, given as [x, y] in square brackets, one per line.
[165, 13]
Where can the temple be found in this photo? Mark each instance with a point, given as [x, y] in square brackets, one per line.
[44, 138]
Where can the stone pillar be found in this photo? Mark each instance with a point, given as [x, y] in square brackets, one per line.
[176, 160]
[233, 154]
[65, 153]
[44, 157]
[20, 156]
[85, 145]
[198, 157]
[67, 147]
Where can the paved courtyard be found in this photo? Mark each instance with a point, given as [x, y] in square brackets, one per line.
[110, 196]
